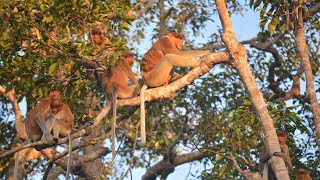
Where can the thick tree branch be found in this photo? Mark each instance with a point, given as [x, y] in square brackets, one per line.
[246, 173]
[11, 95]
[305, 60]
[138, 14]
[163, 165]
[314, 9]
[239, 62]
[274, 85]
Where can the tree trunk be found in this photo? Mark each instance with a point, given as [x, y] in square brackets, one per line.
[239, 62]
[303, 50]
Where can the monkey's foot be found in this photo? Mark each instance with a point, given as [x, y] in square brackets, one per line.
[49, 143]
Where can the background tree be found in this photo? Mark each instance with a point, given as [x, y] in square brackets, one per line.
[219, 118]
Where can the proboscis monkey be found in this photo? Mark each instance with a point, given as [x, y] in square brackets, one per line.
[265, 168]
[302, 174]
[50, 114]
[100, 42]
[115, 84]
[158, 66]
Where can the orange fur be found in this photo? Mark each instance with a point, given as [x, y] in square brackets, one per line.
[49, 114]
[116, 78]
[115, 84]
[45, 111]
[302, 174]
[169, 44]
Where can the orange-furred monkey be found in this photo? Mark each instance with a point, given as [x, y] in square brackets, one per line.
[302, 174]
[159, 63]
[115, 83]
[50, 114]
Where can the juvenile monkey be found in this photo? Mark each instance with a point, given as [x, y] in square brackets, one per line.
[264, 166]
[100, 42]
[302, 174]
[158, 66]
[115, 84]
[49, 114]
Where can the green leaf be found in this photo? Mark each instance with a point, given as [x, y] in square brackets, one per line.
[271, 28]
[47, 19]
[219, 158]
[223, 169]
[247, 103]
[40, 92]
[52, 68]
[125, 26]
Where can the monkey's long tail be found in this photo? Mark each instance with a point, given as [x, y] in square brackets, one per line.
[143, 115]
[69, 159]
[16, 161]
[114, 123]
[16, 164]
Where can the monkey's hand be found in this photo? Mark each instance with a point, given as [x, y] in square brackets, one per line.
[284, 157]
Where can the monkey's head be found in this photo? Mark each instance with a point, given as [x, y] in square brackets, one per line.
[55, 100]
[96, 35]
[128, 57]
[177, 39]
[282, 137]
[301, 173]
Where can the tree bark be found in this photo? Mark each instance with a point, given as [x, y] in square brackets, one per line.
[157, 169]
[239, 62]
[305, 60]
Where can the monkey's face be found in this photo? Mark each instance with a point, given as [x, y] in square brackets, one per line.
[301, 174]
[55, 98]
[128, 58]
[178, 43]
[97, 38]
[282, 138]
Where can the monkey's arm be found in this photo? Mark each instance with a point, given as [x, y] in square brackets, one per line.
[134, 78]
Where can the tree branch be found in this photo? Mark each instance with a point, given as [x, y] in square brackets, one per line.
[162, 92]
[143, 10]
[162, 165]
[239, 62]
[274, 85]
[11, 95]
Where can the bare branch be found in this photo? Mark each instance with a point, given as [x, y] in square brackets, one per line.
[161, 166]
[11, 95]
[142, 11]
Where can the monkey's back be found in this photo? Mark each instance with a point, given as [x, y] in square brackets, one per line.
[155, 54]
[115, 79]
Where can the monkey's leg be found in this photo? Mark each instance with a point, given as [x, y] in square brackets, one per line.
[43, 126]
[192, 54]
[128, 92]
[159, 74]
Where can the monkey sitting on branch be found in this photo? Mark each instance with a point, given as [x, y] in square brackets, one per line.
[115, 84]
[50, 114]
[265, 168]
[158, 66]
